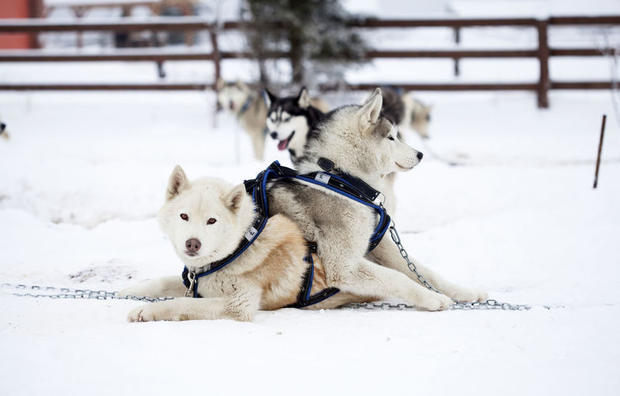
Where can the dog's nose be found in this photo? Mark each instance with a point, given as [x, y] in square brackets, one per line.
[420, 155]
[192, 245]
[2, 126]
[274, 135]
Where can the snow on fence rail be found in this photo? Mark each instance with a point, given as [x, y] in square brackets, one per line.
[542, 52]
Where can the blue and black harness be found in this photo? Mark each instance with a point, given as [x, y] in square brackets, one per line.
[331, 179]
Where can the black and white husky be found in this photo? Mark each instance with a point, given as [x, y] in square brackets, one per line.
[290, 119]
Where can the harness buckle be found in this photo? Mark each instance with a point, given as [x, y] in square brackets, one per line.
[191, 276]
[326, 164]
[380, 200]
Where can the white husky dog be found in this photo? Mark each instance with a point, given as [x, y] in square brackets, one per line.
[205, 220]
[364, 144]
[250, 109]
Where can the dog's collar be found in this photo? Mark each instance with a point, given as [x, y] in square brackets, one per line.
[361, 189]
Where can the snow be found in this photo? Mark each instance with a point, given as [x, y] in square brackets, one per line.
[503, 201]
[84, 174]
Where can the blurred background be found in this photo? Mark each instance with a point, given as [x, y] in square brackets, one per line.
[99, 99]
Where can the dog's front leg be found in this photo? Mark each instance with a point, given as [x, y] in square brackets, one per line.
[240, 306]
[170, 286]
[387, 254]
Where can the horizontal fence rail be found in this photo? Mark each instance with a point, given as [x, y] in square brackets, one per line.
[155, 24]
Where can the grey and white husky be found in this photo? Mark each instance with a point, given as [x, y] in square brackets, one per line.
[362, 142]
[290, 119]
[250, 109]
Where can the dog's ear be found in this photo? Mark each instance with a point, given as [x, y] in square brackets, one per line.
[369, 113]
[303, 99]
[176, 183]
[220, 84]
[269, 97]
[234, 198]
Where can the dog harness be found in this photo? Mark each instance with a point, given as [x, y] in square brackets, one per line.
[248, 102]
[341, 183]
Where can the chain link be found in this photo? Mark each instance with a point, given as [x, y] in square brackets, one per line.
[488, 304]
[37, 291]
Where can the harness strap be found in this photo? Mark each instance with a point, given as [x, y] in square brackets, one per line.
[343, 184]
[304, 299]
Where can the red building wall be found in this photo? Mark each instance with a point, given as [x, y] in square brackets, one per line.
[15, 9]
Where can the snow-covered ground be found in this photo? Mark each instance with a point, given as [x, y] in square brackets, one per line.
[84, 174]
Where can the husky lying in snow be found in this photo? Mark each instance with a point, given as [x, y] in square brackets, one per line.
[250, 109]
[3, 132]
[361, 142]
[358, 141]
[290, 119]
[205, 220]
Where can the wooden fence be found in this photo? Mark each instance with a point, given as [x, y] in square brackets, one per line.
[542, 52]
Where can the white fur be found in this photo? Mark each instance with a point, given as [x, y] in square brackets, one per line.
[201, 200]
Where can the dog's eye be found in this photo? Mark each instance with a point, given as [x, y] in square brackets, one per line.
[211, 220]
[287, 119]
[184, 216]
[391, 137]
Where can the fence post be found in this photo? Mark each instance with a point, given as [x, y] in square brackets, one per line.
[79, 12]
[543, 60]
[37, 10]
[215, 51]
[457, 41]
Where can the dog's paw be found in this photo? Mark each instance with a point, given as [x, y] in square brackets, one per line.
[148, 313]
[469, 295]
[435, 302]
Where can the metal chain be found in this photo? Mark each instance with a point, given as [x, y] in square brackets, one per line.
[459, 306]
[68, 293]
[488, 304]
[412, 267]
